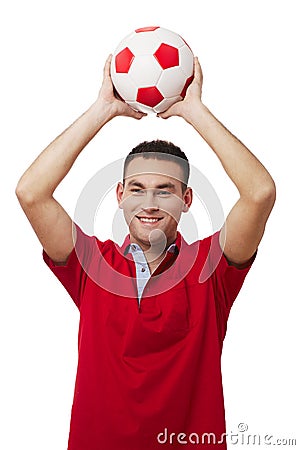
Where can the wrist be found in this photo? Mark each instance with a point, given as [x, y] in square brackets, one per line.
[194, 112]
[102, 111]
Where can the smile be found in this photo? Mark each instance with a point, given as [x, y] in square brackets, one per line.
[148, 219]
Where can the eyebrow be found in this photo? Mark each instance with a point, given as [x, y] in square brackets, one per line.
[159, 186]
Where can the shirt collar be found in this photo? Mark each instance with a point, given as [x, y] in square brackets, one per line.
[128, 247]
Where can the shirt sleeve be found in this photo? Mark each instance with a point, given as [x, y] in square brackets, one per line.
[226, 278]
[73, 274]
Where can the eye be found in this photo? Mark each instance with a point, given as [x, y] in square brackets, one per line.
[163, 193]
[137, 191]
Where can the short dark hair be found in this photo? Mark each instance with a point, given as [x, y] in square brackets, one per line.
[163, 150]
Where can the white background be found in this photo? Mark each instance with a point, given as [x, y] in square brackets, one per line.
[52, 55]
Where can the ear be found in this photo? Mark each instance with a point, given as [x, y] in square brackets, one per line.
[187, 199]
[119, 193]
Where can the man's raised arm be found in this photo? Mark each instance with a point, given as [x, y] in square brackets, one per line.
[245, 224]
[35, 189]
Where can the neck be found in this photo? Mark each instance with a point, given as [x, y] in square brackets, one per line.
[155, 251]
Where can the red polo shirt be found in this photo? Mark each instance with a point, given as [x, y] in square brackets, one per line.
[149, 376]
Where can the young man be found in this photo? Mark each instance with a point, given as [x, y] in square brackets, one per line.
[153, 312]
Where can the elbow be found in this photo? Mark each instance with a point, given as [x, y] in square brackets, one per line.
[266, 194]
[29, 194]
[24, 194]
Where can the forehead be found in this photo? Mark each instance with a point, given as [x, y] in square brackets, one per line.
[150, 169]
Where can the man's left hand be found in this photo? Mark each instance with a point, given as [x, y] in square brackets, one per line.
[186, 107]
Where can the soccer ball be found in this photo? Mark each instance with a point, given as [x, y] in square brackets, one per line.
[152, 68]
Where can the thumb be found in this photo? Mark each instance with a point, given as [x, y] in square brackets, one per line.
[171, 111]
[164, 115]
[106, 69]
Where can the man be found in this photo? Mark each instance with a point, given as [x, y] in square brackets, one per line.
[153, 312]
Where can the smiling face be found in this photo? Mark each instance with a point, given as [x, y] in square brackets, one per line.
[152, 199]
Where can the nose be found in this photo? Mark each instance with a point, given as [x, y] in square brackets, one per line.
[150, 202]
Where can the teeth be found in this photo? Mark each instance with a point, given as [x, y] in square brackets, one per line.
[143, 219]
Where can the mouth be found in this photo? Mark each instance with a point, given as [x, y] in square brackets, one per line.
[148, 220]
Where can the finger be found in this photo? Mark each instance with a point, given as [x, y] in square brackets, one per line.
[138, 115]
[133, 113]
[197, 69]
[106, 70]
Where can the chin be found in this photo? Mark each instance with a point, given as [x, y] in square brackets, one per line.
[144, 237]
[140, 237]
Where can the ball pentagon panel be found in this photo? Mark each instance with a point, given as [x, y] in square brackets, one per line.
[123, 60]
[167, 56]
[147, 29]
[186, 85]
[149, 96]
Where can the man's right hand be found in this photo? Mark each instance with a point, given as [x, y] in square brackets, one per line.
[108, 102]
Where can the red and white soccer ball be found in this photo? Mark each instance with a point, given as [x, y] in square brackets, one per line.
[152, 68]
